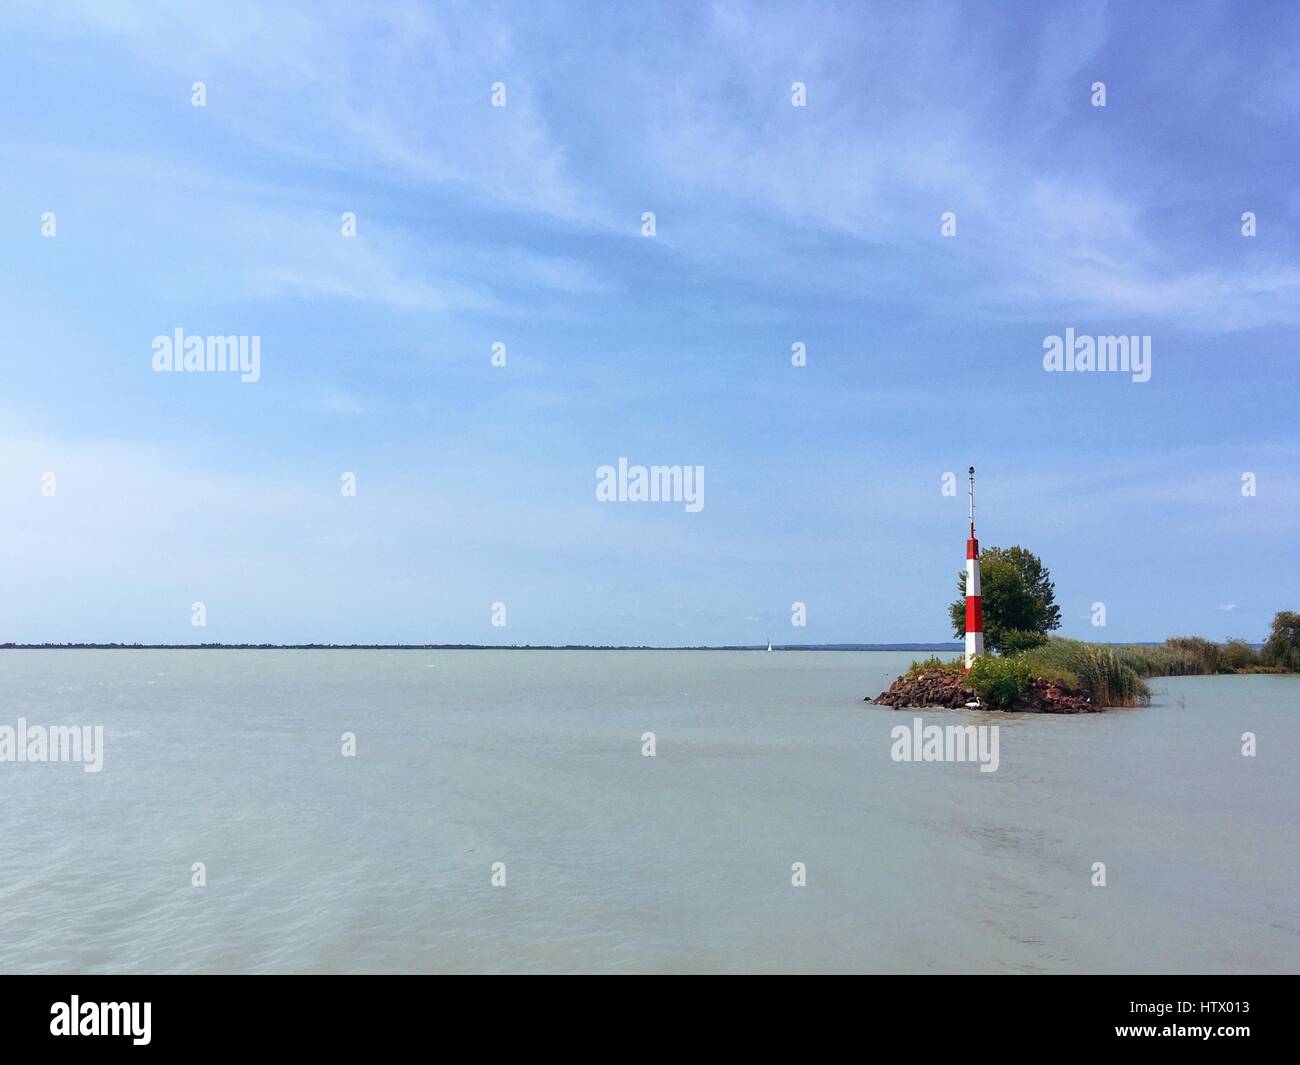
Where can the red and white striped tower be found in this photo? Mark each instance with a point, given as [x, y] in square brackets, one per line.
[974, 609]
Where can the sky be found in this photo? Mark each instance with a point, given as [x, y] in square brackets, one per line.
[523, 225]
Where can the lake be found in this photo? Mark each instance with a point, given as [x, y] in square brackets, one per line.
[531, 763]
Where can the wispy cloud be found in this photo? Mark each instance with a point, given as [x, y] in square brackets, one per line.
[405, 89]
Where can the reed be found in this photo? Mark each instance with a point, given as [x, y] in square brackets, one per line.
[1114, 674]
[1111, 673]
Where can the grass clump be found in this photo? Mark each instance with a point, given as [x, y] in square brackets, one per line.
[1197, 655]
[935, 662]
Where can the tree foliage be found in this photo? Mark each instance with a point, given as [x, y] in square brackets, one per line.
[1017, 594]
[1282, 648]
[1014, 641]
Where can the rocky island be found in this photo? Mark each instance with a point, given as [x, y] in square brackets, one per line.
[946, 689]
[1051, 675]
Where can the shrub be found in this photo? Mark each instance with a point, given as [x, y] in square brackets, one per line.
[1237, 654]
[999, 682]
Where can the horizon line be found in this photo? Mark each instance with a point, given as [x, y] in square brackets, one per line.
[88, 646]
[80, 645]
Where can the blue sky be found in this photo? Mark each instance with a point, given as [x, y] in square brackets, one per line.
[522, 224]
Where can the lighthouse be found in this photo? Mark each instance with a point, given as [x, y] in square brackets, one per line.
[974, 611]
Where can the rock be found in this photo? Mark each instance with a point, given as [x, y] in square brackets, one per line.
[931, 687]
[947, 690]
[1050, 696]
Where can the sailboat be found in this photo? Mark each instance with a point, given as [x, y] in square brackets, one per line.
[769, 643]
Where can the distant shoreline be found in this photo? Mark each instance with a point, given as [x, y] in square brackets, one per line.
[950, 647]
[468, 647]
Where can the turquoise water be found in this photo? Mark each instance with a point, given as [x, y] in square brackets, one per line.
[616, 862]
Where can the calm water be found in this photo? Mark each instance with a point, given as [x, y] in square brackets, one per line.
[617, 862]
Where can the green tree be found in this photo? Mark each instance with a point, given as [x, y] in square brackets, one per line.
[1283, 645]
[1013, 641]
[1017, 594]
